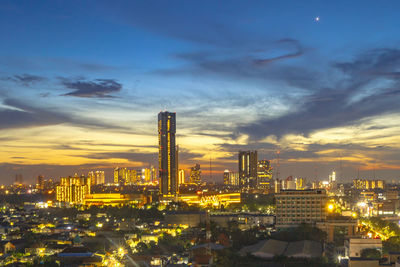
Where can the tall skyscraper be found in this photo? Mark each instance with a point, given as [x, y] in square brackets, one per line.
[264, 174]
[167, 153]
[248, 169]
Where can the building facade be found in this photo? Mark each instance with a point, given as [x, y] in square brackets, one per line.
[181, 176]
[97, 177]
[167, 154]
[195, 174]
[73, 189]
[294, 207]
[264, 174]
[248, 169]
[363, 184]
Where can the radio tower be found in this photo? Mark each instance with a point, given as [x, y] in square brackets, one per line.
[277, 164]
[341, 169]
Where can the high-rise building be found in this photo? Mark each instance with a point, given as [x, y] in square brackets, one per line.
[73, 189]
[264, 174]
[19, 180]
[96, 177]
[231, 178]
[294, 207]
[226, 177]
[124, 176]
[146, 175]
[248, 169]
[234, 178]
[167, 154]
[300, 183]
[195, 174]
[181, 176]
[40, 182]
[368, 184]
[153, 174]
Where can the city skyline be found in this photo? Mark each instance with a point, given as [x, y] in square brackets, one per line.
[84, 95]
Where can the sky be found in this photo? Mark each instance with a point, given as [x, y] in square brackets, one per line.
[82, 82]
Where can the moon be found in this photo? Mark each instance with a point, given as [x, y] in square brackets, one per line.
[316, 19]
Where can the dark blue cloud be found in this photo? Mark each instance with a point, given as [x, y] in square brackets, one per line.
[99, 88]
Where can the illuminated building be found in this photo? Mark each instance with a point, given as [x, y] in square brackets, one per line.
[146, 175]
[19, 180]
[96, 177]
[226, 177]
[181, 176]
[332, 177]
[40, 182]
[124, 176]
[195, 174]
[289, 183]
[167, 154]
[210, 199]
[363, 184]
[231, 178]
[73, 189]
[277, 186]
[264, 174]
[112, 199]
[234, 178]
[248, 169]
[300, 183]
[294, 207]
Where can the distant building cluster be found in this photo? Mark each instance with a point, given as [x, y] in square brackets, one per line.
[125, 176]
[368, 184]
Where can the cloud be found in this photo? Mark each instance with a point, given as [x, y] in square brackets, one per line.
[27, 116]
[25, 79]
[98, 88]
[21, 115]
[297, 53]
[136, 156]
[358, 96]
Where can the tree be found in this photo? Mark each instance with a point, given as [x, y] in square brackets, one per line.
[392, 244]
[371, 253]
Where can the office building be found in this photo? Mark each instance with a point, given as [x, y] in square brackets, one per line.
[195, 174]
[294, 207]
[181, 176]
[264, 174]
[167, 154]
[73, 189]
[248, 169]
